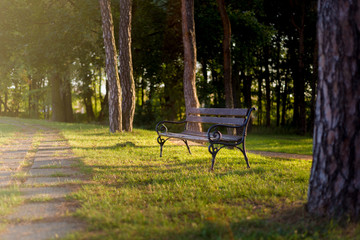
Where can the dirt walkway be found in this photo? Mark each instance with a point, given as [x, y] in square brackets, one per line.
[41, 162]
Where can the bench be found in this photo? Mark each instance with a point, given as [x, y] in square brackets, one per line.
[218, 120]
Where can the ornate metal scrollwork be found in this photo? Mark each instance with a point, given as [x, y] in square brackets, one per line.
[161, 141]
[214, 135]
[162, 128]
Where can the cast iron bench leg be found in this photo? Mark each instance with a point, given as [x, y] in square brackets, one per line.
[161, 142]
[187, 145]
[213, 150]
[244, 152]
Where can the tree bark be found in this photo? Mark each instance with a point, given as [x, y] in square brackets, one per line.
[267, 85]
[284, 100]
[334, 188]
[260, 83]
[278, 76]
[299, 79]
[126, 69]
[58, 110]
[6, 108]
[227, 54]
[236, 82]
[247, 80]
[112, 73]
[66, 98]
[314, 80]
[61, 98]
[189, 41]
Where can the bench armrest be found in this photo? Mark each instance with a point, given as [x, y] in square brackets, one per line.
[161, 126]
[215, 135]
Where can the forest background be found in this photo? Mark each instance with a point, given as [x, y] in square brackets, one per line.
[52, 55]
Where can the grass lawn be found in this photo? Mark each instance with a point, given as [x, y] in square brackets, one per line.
[284, 143]
[7, 132]
[132, 193]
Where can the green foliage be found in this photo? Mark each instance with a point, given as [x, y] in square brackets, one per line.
[43, 39]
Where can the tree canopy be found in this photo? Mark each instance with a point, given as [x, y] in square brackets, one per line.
[53, 52]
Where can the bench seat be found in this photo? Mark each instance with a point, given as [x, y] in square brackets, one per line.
[199, 136]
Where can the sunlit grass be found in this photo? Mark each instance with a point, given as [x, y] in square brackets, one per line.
[9, 198]
[132, 193]
[280, 143]
[7, 132]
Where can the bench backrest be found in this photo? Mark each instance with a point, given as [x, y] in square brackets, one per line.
[227, 116]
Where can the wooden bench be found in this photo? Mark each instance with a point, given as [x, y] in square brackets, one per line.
[219, 121]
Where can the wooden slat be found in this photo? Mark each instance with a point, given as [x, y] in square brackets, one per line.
[199, 137]
[216, 120]
[239, 112]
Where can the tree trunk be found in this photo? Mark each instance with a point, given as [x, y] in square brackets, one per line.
[260, 82]
[247, 80]
[334, 188]
[299, 79]
[112, 74]
[126, 69]
[236, 85]
[227, 54]
[284, 100]
[58, 110]
[267, 85]
[278, 86]
[105, 104]
[314, 80]
[66, 98]
[6, 108]
[189, 41]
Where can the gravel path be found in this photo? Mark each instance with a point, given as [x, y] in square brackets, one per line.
[47, 177]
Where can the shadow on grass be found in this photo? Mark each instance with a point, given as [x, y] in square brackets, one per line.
[294, 223]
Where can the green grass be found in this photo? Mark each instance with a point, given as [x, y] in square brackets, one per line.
[7, 132]
[284, 143]
[132, 193]
[9, 198]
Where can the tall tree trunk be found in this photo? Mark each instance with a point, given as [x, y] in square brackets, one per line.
[66, 97]
[334, 188]
[278, 86]
[189, 41]
[299, 80]
[204, 69]
[260, 82]
[126, 69]
[267, 85]
[58, 110]
[112, 73]
[227, 54]
[30, 100]
[236, 85]
[6, 108]
[284, 100]
[247, 80]
[33, 97]
[105, 104]
[313, 86]
[61, 98]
